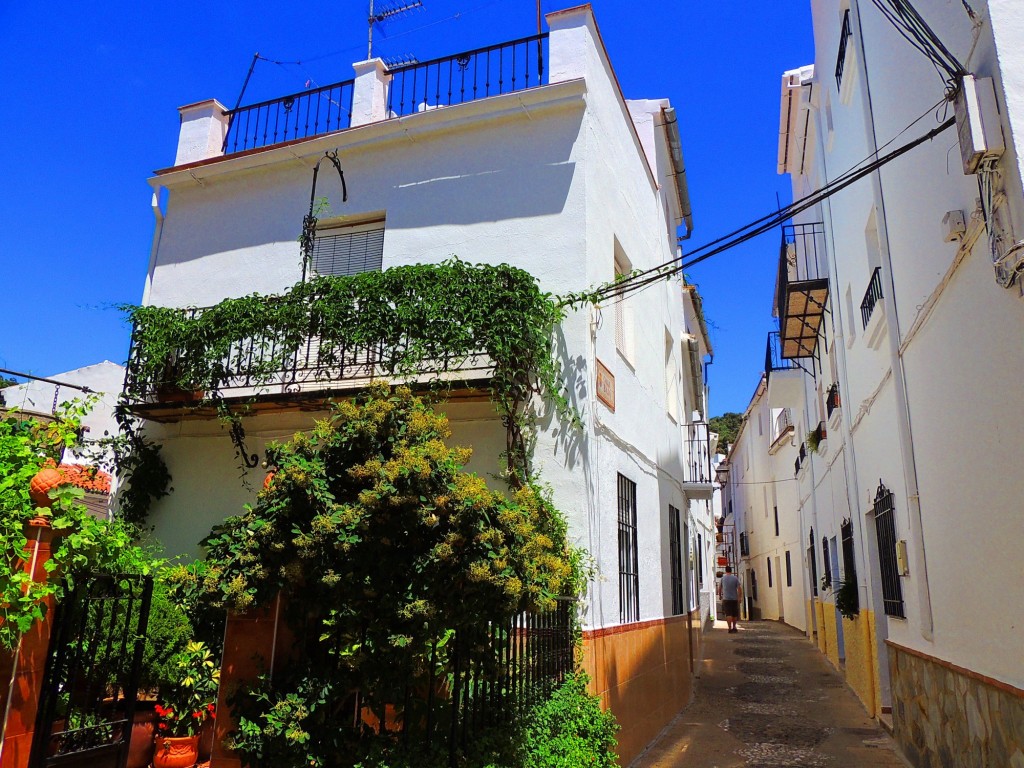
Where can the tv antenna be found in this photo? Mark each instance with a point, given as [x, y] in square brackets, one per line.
[389, 10]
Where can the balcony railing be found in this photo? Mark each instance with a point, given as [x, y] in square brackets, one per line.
[773, 359]
[832, 400]
[844, 40]
[446, 81]
[291, 361]
[801, 457]
[467, 76]
[783, 427]
[802, 287]
[697, 467]
[296, 116]
[820, 433]
[871, 296]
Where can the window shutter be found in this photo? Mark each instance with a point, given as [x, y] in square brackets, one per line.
[350, 250]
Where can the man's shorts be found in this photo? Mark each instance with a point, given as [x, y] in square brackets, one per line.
[731, 607]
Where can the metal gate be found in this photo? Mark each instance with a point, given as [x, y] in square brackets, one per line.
[87, 702]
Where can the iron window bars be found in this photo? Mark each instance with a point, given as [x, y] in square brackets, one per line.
[871, 296]
[844, 39]
[675, 545]
[832, 400]
[812, 561]
[885, 529]
[629, 572]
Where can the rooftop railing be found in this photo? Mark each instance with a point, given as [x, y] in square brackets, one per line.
[773, 359]
[467, 76]
[442, 82]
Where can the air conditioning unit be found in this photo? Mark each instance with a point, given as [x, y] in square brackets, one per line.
[977, 122]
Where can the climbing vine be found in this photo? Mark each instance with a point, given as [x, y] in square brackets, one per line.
[415, 320]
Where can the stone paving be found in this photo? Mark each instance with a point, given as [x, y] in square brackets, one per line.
[766, 699]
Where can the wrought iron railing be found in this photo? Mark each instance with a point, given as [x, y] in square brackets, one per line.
[871, 296]
[801, 258]
[295, 116]
[773, 359]
[697, 468]
[288, 360]
[467, 76]
[844, 40]
[832, 400]
[820, 433]
[884, 510]
[801, 457]
[783, 424]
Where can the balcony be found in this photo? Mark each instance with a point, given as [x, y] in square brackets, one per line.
[871, 314]
[410, 89]
[801, 458]
[802, 289]
[697, 475]
[844, 40]
[832, 400]
[783, 428]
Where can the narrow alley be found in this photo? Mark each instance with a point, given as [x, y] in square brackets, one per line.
[766, 697]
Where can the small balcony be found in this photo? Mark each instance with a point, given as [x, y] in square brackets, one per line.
[832, 400]
[801, 458]
[697, 475]
[782, 429]
[844, 40]
[872, 315]
[802, 289]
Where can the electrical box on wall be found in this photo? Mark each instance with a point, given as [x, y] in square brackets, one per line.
[977, 122]
[953, 226]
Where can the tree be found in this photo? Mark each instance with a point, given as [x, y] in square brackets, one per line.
[727, 426]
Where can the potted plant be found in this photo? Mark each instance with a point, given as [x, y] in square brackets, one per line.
[187, 704]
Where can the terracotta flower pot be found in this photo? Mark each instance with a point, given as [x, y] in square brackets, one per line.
[140, 749]
[176, 751]
[42, 483]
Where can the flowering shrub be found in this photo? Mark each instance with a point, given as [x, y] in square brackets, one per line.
[191, 701]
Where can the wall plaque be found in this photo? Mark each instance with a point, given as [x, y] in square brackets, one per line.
[605, 386]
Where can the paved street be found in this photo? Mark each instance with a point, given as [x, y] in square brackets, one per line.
[766, 697]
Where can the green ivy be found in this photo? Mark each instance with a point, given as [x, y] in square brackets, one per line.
[423, 318]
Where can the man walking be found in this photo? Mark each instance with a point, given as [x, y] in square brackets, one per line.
[731, 591]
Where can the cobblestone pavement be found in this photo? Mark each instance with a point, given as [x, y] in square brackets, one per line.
[766, 698]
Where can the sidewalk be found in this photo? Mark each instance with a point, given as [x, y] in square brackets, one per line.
[766, 697]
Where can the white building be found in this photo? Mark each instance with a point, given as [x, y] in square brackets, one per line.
[899, 310]
[567, 180]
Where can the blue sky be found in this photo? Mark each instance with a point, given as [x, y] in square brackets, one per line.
[88, 111]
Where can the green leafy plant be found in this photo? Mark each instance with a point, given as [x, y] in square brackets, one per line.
[847, 596]
[191, 699]
[812, 440]
[82, 542]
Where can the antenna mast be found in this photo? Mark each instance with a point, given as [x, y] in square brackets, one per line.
[391, 8]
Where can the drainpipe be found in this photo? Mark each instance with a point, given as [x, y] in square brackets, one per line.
[678, 169]
[905, 434]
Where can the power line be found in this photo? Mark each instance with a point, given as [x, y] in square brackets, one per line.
[640, 280]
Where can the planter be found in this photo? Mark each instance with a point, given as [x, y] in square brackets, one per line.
[176, 751]
[170, 393]
[140, 748]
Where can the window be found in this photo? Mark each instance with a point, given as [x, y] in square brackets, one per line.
[349, 250]
[885, 530]
[700, 560]
[753, 584]
[623, 310]
[629, 574]
[849, 563]
[769, 561]
[744, 545]
[675, 546]
[776, 511]
[826, 572]
[844, 40]
[671, 379]
[813, 565]
[789, 570]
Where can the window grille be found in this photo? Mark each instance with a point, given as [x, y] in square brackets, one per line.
[744, 545]
[885, 530]
[769, 561]
[844, 40]
[789, 570]
[813, 565]
[826, 569]
[349, 250]
[700, 560]
[675, 545]
[849, 563]
[776, 512]
[753, 585]
[629, 574]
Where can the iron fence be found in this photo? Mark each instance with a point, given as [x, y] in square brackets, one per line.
[801, 258]
[477, 74]
[295, 116]
[871, 296]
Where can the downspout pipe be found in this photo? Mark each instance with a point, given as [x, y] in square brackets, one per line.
[675, 147]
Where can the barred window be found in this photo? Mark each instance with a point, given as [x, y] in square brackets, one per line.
[885, 530]
[826, 569]
[675, 545]
[629, 573]
[789, 570]
[813, 564]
